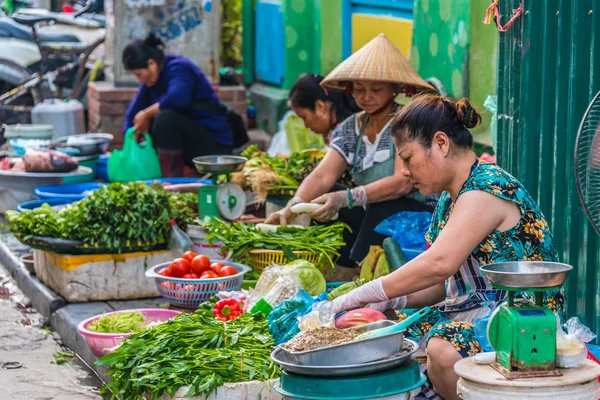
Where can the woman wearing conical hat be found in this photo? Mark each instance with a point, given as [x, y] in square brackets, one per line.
[375, 75]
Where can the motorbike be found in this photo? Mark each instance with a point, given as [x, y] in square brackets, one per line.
[51, 63]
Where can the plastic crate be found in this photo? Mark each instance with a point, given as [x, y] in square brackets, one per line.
[261, 259]
[190, 293]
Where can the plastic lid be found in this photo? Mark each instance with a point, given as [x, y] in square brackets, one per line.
[262, 307]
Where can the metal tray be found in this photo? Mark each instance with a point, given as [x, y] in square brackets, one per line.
[95, 143]
[408, 349]
[351, 353]
[219, 164]
[526, 274]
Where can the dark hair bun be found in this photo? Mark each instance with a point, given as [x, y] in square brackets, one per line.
[154, 41]
[466, 114]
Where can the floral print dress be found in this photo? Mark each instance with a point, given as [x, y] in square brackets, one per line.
[529, 240]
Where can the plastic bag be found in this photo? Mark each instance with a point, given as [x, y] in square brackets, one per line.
[480, 328]
[571, 351]
[135, 162]
[491, 105]
[320, 315]
[299, 137]
[278, 285]
[408, 228]
[283, 320]
[267, 278]
[179, 242]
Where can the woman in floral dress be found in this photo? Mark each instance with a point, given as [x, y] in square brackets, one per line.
[484, 216]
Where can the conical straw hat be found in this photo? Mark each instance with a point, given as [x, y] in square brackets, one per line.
[378, 60]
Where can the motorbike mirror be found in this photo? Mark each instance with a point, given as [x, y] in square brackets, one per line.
[84, 9]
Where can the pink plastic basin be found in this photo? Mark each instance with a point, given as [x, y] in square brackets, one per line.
[101, 343]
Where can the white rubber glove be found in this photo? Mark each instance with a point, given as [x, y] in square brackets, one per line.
[285, 215]
[368, 293]
[394, 304]
[334, 202]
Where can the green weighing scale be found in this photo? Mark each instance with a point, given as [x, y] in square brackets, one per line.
[524, 337]
[226, 199]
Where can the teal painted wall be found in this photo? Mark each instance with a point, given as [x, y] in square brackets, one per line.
[548, 72]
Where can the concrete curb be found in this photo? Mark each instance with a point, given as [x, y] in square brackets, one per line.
[43, 299]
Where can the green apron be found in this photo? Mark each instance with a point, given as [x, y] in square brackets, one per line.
[377, 171]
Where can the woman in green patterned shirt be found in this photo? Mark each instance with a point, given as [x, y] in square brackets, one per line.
[484, 216]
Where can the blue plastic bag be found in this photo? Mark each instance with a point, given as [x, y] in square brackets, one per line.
[408, 228]
[283, 320]
[480, 328]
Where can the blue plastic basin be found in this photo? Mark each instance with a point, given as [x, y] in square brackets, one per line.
[73, 192]
[31, 205]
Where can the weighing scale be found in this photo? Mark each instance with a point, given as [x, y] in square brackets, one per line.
[524, 337]
[227, 200]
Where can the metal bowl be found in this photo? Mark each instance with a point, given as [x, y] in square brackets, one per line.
[89, 143]
[526, 274]
[219, 164]
[409, 348]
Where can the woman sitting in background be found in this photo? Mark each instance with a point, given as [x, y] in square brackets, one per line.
[175, 104]
[320, 109]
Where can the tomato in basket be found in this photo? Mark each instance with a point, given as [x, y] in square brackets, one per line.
[200, 264]
[189, 256]
[165, 272]
[216, 267]
[185, 292]
[209, 275]
[191, 276]
[168, 285]
[179, 267]
[227, 270]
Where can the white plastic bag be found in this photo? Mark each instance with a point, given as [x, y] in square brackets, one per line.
[491, 104]
[321, 315]
[571, 351]
[279, 142]
[275, 285]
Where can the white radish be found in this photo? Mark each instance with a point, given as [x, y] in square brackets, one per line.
[265, 228]
[305, 208]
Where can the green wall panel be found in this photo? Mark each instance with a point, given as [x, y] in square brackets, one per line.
[548, 72]
[441, 43]
[331, 35]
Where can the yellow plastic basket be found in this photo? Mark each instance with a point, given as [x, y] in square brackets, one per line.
[261, 259]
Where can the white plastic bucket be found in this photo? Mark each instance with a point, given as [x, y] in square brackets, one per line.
[201, 246]
[468, 390]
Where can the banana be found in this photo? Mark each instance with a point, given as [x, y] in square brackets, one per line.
[370, 262]
[382, 268]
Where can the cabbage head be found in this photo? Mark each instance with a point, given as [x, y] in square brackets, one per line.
[312, 279]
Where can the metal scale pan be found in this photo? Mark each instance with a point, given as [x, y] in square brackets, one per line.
[526, 274]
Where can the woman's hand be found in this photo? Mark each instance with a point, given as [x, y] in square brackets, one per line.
[141, 125]
[285, 215]
[334, 202]
[368, 293]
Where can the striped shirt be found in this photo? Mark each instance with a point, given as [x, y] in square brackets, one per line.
[345, 138]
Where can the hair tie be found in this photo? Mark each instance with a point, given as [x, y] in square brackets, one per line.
[325, 90]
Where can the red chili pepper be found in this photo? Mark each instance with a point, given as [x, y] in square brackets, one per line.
[227, 309]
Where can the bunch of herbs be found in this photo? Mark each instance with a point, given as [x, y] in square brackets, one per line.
[239, 238]
[194, 350]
